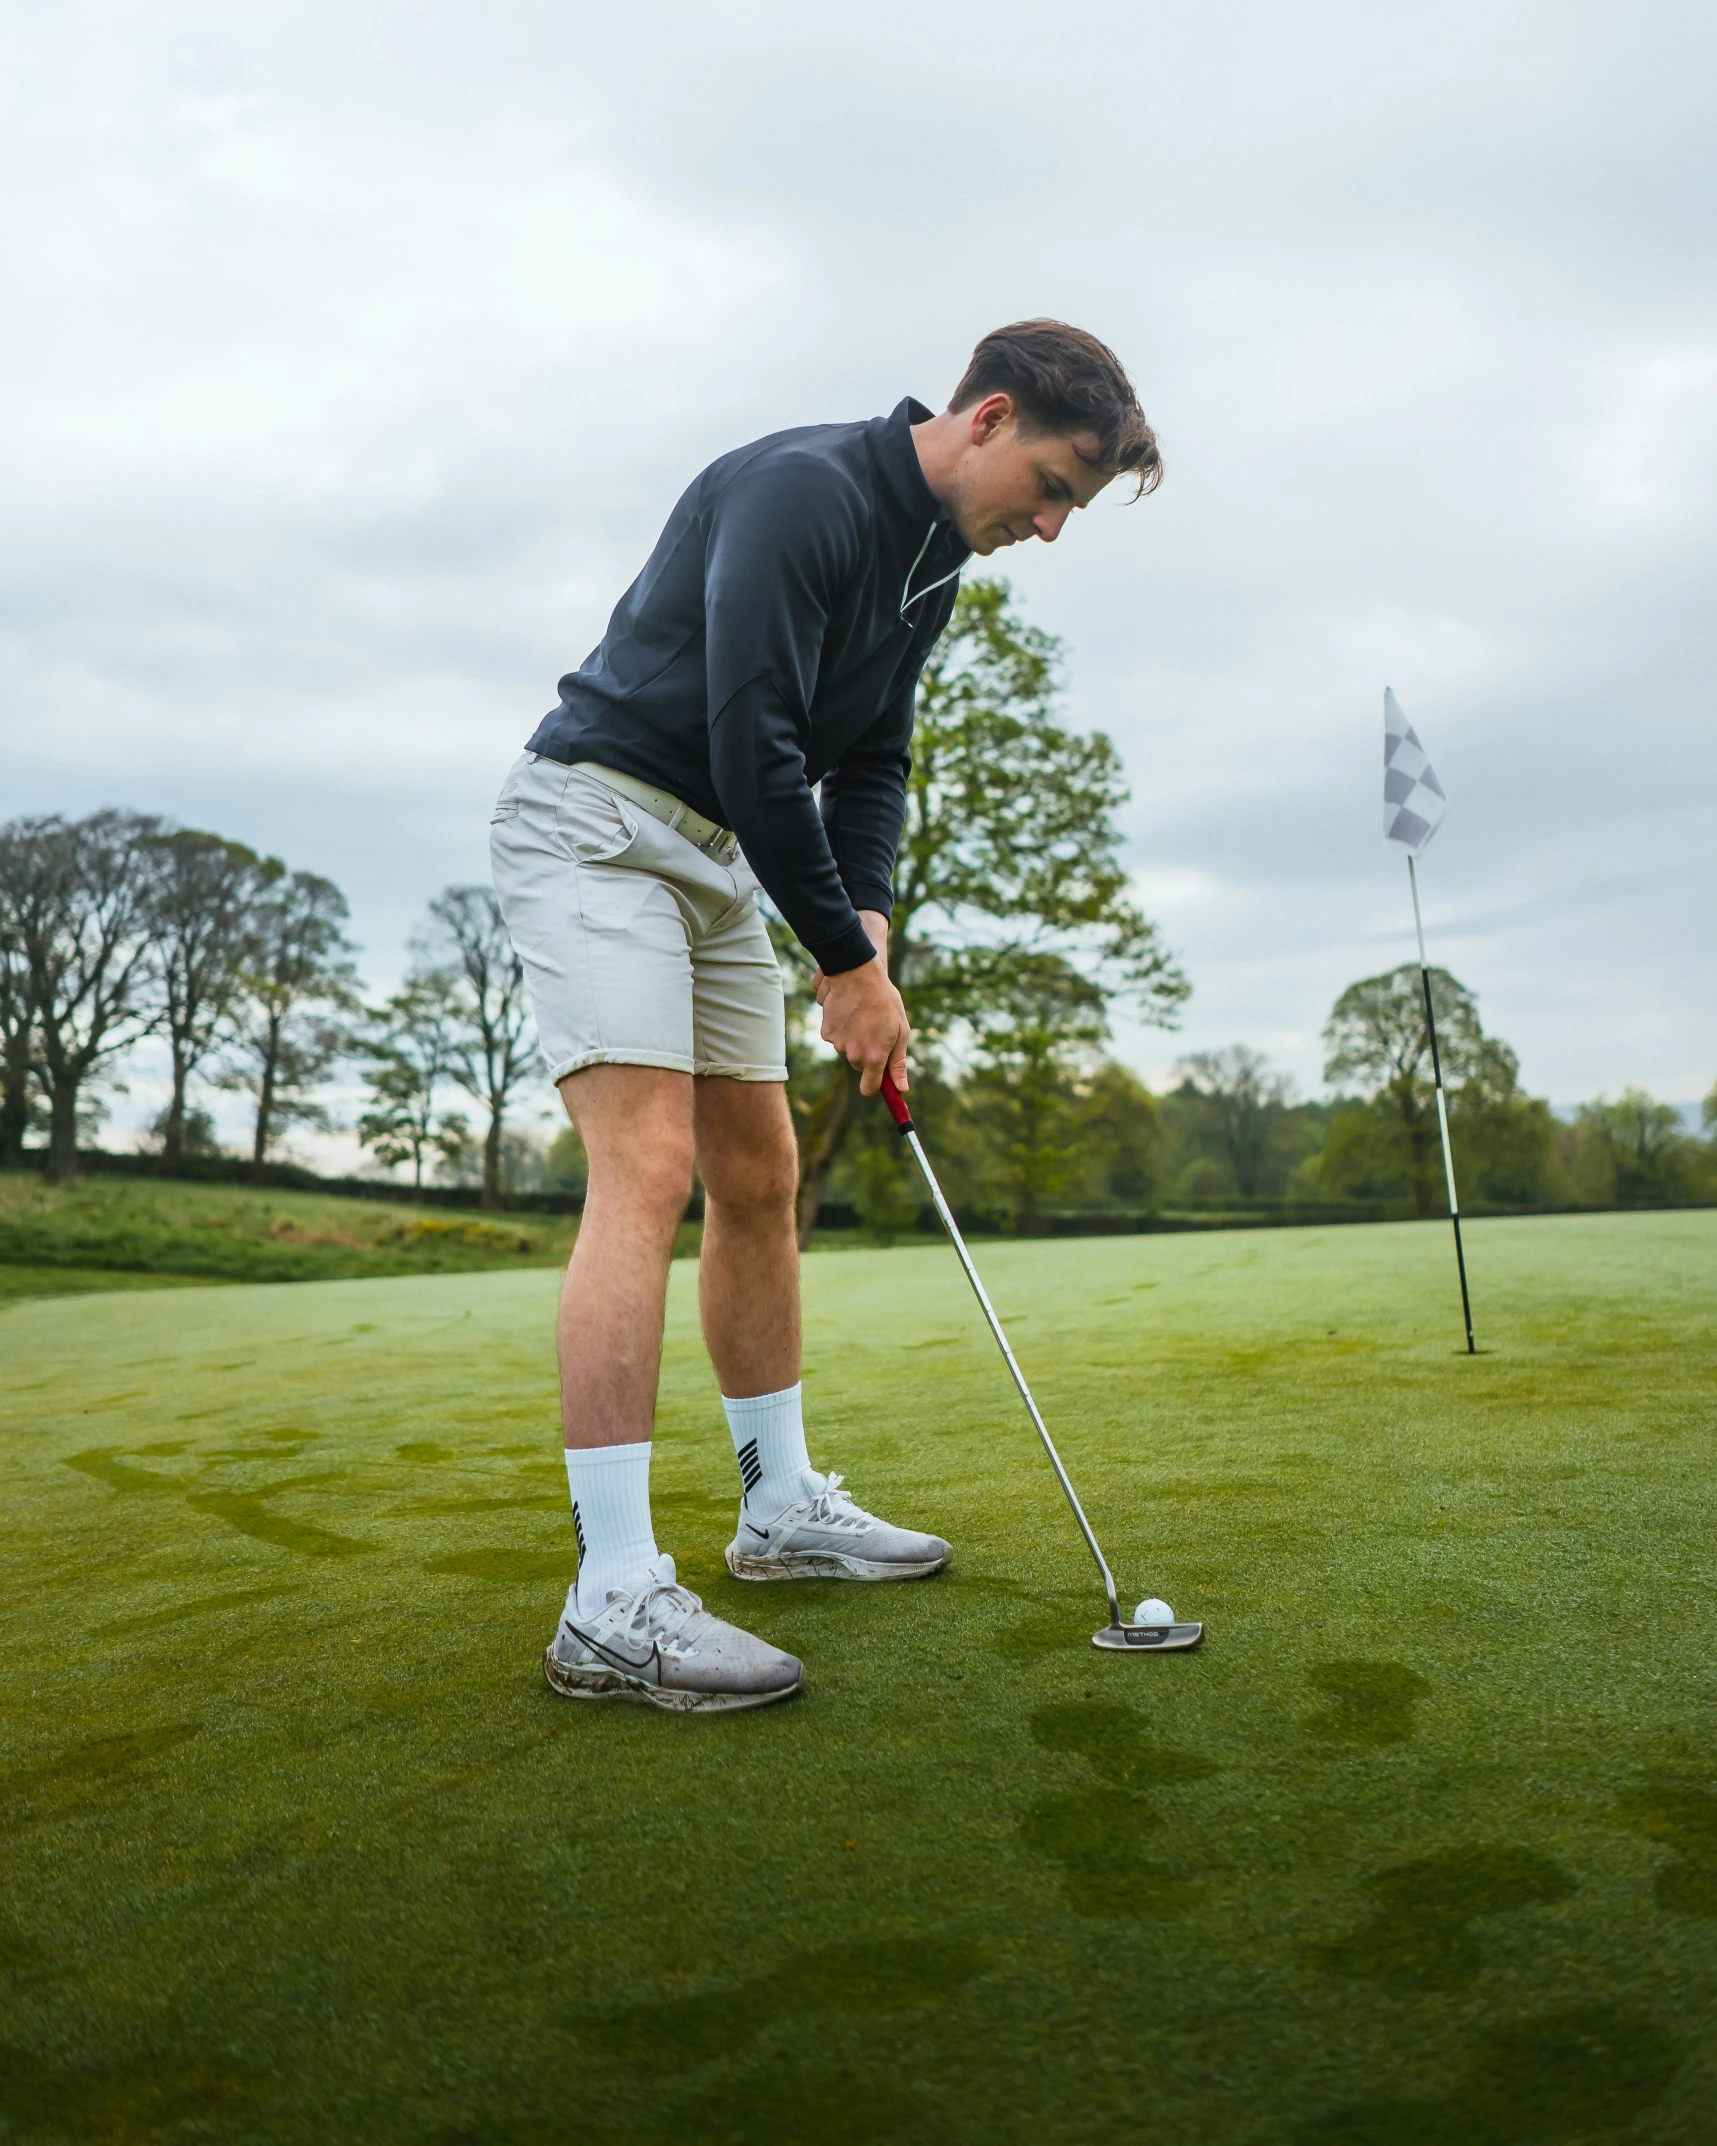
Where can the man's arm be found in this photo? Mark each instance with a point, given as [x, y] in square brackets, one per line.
[779, 543]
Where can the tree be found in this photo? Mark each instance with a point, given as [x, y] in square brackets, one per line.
[491, 1054]
[76, 898]
[1040, 1020]
[17, 1030]
[1009, 854]
[298, 983]
[203, 912]
[1377, 1032]
[1503, 1140]
[1243, 1103]
[1644, 1144]
[411, 1056]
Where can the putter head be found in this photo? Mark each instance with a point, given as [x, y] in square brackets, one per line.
[1149, 1638]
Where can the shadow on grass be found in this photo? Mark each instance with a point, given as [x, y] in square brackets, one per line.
[1098, 1835]
[1421, 1934]
[1365, 1702]
[1561, 2076]
[1681, 1815]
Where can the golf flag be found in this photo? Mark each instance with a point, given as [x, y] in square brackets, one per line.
[1413, 799]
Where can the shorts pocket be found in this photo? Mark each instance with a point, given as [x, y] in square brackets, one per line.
[593, 822]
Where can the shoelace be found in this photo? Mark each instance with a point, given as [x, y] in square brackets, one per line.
[833, 1507]
[665, 1610]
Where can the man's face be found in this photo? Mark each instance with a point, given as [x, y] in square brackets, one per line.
[1010, 485]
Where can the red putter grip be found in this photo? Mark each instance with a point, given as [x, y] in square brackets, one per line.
[896, 1102]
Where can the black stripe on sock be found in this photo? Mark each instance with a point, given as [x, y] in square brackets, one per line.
[750, 1467]
[578, 1529]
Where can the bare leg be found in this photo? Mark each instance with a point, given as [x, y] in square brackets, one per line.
[636, 1125]
[748, 1275]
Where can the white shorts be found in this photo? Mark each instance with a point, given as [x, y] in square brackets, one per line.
[640, 949]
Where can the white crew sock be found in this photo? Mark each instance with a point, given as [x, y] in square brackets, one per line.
[610, 1488]
[769, 1443]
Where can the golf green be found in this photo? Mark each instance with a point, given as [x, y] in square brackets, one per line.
[1421, 1847]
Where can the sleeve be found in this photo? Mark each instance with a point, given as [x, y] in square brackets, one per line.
[864, 804]
[780, 542]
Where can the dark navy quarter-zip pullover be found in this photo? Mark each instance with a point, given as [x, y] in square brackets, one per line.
[772, 642]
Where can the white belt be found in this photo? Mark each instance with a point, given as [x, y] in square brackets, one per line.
[714, 840]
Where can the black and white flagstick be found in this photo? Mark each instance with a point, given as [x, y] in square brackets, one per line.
[1442, 1108]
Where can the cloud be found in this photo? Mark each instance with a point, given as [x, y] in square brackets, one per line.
[364, 351]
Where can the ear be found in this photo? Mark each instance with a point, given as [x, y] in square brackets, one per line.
[989, 416]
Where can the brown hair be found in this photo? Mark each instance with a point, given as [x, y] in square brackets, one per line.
[1064, 381]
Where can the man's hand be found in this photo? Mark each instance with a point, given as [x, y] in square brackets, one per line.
[863, 1016]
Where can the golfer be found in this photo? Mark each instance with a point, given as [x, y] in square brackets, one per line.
[746, 721]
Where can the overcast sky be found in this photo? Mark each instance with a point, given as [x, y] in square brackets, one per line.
[356, 352]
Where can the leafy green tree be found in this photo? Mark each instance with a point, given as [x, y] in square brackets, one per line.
[1118, 1127]
[296, 993]
[1035, 1027]
[1650, 1159]
[1504, 1141]
[204, 899]
[1377, 1033]
[1009, 857]
[411, 1052]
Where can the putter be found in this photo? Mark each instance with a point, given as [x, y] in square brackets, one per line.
[1116, 1634]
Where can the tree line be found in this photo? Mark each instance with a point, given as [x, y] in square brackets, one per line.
[121, 927]
[1015, 941]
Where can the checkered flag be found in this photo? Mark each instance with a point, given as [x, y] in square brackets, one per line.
[1413, 798]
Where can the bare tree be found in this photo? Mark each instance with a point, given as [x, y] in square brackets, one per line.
[298, 984]
[204, 910]
[1377, 1030]
[77, 899]
[493, 1047]
[17, 1036]
[1243, 1101]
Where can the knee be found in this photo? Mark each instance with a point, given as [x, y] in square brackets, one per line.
[760, 1178]
[654, 1177]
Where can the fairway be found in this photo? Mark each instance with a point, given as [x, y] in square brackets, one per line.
[1420, 1850]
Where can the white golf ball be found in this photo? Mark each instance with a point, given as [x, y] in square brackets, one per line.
[1153, 1611]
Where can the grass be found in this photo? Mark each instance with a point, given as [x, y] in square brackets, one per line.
[231, 1233]
[1421, 1850]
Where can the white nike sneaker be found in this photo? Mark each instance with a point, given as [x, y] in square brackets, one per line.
[828, 1537]
[661, 1647]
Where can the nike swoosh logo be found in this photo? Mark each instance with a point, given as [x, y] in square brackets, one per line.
[618, 1657]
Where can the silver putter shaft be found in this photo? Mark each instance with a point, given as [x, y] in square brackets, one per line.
[1160, 1638]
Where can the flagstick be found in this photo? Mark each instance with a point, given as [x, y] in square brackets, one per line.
[1442, 1112]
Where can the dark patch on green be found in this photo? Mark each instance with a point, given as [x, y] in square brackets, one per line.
[102, 1464]
[1420, 1936]
[1562, 2076]
[165, 1451]
[1365, 1702]
[1681, 1815]
[93, 1763]
[251, 1517]
[1114, 1739]
[510, 1565]
[18, 1948]
[424, 1452]
[242, 1510]
[887, 1975]
[1097, 1836]
[450, 1508]
[204, 1606]
[117, 2104]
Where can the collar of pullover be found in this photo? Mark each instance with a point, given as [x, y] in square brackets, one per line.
[902, 473]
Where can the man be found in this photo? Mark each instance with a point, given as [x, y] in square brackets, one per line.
[772, 644]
